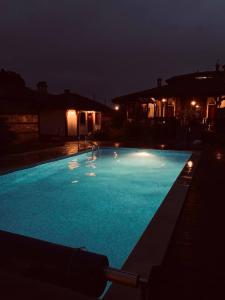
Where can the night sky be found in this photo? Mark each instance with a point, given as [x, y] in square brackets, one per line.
[107, 48]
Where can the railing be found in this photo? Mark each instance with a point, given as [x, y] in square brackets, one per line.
[94, 146]
[129, 279]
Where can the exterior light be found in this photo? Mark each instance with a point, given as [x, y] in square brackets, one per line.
[197, 106]
[164, 100]
[218, 156]
[193, 103]
[71, 112]
[117, 107]
[190, 164]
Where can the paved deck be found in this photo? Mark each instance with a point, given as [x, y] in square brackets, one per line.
[194, 267]
[195, 262]
[20, 160]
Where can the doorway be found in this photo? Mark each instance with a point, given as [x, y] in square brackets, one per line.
[211, 112]
[90, 122]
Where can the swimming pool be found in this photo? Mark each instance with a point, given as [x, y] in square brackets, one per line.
[102, 202]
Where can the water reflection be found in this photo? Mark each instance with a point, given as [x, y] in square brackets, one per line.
[91, 158]
[115, 155]
[73, 165]
[91, 174]
[91, 165]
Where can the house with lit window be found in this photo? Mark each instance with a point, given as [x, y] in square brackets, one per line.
[27, 114]
[196, 95]
[71, 115]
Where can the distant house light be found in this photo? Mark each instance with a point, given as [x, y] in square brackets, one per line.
[203, 77]
[117, 107]
[190, 164]
[193, 103]
[197, 106]
[164, 100]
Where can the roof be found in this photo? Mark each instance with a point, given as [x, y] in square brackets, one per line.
[15, 97]
[72, 100]
[207, 75]
[26, 100]
[193, 84]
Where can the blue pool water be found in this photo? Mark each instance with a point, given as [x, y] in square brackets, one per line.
[102, 203]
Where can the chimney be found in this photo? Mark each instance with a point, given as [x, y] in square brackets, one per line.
[217, 65]
[42, 87]
[159, 82]
[67, 91]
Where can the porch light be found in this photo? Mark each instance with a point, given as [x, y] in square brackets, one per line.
[193, 103]
[197, 106]
[190, 164]
[218, 156]
[117, 107]
[71, 112]
[164, 100]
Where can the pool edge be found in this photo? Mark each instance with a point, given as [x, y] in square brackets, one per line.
[150, 250]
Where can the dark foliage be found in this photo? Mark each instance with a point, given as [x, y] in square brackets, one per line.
[10, 79]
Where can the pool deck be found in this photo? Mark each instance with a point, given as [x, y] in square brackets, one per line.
[194, 265]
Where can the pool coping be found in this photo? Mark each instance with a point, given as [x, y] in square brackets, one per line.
[151, 248]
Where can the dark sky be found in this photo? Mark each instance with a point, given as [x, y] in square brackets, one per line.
[108, 48]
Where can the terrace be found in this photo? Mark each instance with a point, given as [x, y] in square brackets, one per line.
[193, 266]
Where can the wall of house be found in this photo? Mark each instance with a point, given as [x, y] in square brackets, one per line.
[52, 122]
[21, 127]
[71, 118]
[65, 123]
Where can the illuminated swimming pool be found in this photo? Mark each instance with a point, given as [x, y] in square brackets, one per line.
[102, 202]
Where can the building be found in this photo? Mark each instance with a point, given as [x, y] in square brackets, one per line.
[18, 110]
[71, 115]
[197, 95]
[27, 114]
